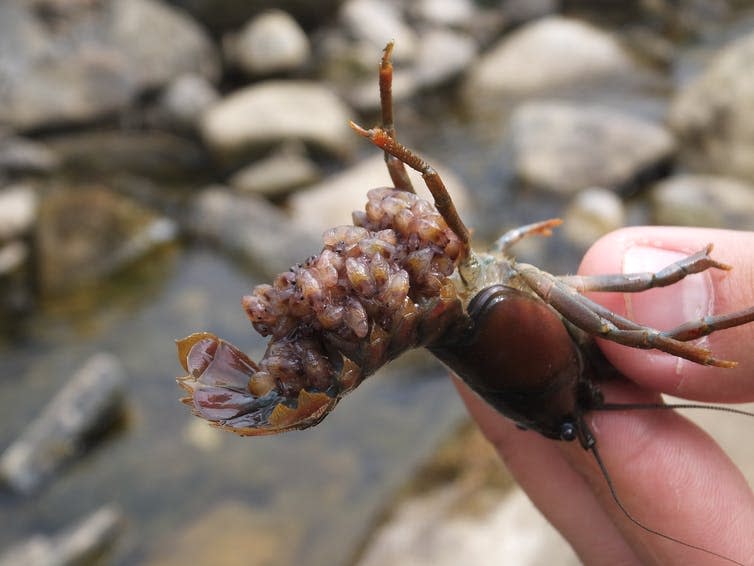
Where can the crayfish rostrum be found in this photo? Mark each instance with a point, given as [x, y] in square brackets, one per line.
[404, 276]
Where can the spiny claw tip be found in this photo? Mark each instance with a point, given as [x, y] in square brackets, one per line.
[358, 129]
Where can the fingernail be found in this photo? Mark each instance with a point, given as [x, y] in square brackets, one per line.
[689, 299]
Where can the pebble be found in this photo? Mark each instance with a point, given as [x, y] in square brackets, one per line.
[442, 55]
[88, 404]
[12, 256]
[713, 115]
[22, 156]
[249, 226]
[445, 13]
[330, 202]
[18, 210]
[703, 200]
[272, 42]
[378, 22]
[546, 55]
[277, 174]
[186, 98]
[272, 112]
[591, 214]
[563, 147]
[76, 545]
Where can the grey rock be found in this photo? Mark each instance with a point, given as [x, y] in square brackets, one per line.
[446, 13]
[271, 112]
[277, 174]
[18, 210]
[703, 200]
[441, 56]
[544, 56]
[83, 61]
[84, 234]
[330, 202]
[247, 225]
[79, 544]
[377, 23]
[714, 114]
[564, 147]
[272, 42]
[22, 156]
[186, 98]
[86, 406]
[591, 214]
[12, 256]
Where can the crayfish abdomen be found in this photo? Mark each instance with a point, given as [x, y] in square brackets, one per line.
[515, 352]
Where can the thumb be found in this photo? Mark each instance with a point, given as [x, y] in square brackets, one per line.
[642, 249]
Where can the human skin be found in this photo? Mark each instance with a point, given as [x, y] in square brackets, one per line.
[667, 472]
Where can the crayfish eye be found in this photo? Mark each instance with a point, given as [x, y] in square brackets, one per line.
[568, 431]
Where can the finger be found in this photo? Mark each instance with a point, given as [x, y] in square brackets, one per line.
[558, 491]
[711, 292]
[673, 478]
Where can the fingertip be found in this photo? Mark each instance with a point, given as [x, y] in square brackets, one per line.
[713, 291]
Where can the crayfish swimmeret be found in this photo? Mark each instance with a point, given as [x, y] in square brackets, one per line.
[404, 276]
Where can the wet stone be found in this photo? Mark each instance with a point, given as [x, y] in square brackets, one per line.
[249, 226]
[12, 256]
[715, 124]
[185, 98]
[83, 409]
[80, 544]
[450, 13]
[564, 148]
[272, 42]
[18, 210]
[376, 23]
[544, 56]
[22, 156]
[85, 234]
[277, 174]
[703, 200]
[272, 112]
[332, 201]
[441, 56]
[591, 214]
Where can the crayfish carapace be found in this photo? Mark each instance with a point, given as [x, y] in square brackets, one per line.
[404, 276]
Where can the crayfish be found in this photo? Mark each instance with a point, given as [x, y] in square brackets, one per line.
[403, 276]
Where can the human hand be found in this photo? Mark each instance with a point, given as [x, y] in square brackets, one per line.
[667, 472]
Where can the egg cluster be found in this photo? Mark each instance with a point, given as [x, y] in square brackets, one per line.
[367, 278]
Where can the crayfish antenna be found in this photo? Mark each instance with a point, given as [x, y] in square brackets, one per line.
[611, 487]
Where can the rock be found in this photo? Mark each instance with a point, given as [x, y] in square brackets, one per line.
[544, 56]
[84, 408]
[271, 112]
[18, 210]
[591, 214]
[445, 13]
[21, 156]
[377, 23]
[703, 200]
[88, 233]
[270, 43]
[112, 153]
[714, 114]
[441, 56]
[433, 530]
[75, 62]
[186, 98]
[331, 202]
[564, 147]
[252, 228]
[82, 543]
[12, 256]
[277, 174]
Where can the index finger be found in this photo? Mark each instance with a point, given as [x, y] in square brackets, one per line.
[639, 249]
